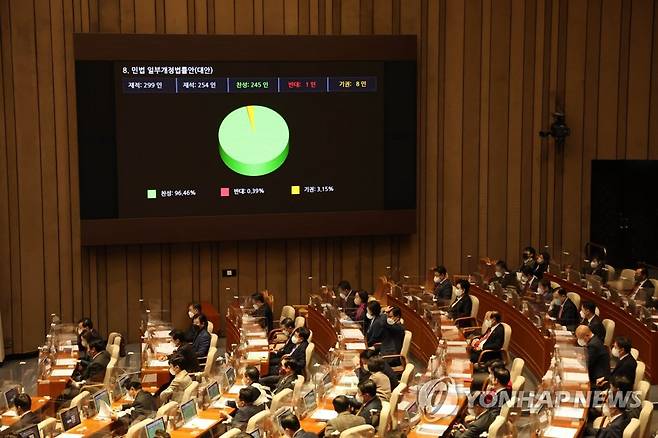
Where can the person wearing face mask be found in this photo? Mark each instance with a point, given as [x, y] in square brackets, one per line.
[293, 429]
[626, 365]
[644, 288]
[597, 267]
[545, 289]
[622, 387]
[363, 372]
[288, 328]
[564, 310]
[347, 295]
[86, 333]
[461, 306]
[193, 309]
[287, 376]
[375, 331]
[442, 284]
[371, 405]
[528, 280]
[361, 304]
[143, 404]
[615, 419]
[592, 320]
[504, 276]
[491, 341]
[246, 408]
[181, 381]
[484, 408]
[26, 418]
[598, 359]
[393, 333]
[345, 418]
[528, 258]
[376, 370]
[185, 350]
[261, 309]
[201, 343]
[300, 343]
[543, 261]
[280, 338]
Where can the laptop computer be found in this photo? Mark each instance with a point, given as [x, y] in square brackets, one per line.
[282, 413]
[29, 432]
[70, 418]
[154, 426]
[100, 398]
[190, 420]
[230, 376]
[310, 403]
[120, 387]
[213, 391]
[10, 395]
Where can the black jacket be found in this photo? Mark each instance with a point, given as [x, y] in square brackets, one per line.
[265, 311]
[190, 361]
[569, 317]
[28, 419]
[201, 343]
[143, 405]
[286, 349]
[242, 415]
[461, 307]
[598, 360]
[299, 353]
[364, 411]
[285, 382]
[625, 367]
[539, 270]
[508, 279]
[375, 331]
[95, 371]
[363, 375]
[494, 342]
[599, 271]
[393, 339]
[596, 326]
[614, 429]
[443, 290]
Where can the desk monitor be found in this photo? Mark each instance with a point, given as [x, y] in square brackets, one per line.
[29, 432]
[10, 395]
[412, 410]
[154, 426]
[326, 379]
[309, 401]
[188, 410]
[70, 418]
[102, 397]
[281, 415]
[230, 376]
[120, 389]
[213, 391]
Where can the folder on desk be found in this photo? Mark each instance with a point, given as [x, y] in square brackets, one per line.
[432, 429]
[569, 412]
[352, 333]
[257, 342]
[576, 377]
[61, 372]
[560, 432]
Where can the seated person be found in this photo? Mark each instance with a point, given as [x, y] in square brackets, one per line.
[345, 418]
[394, 332]
[592, 320]
[346, 295]
[543, 261]
[492, 339]
[193, 309]
[462, 305]
[371, 405]
[504, 276]
[598, 359]
[564, 310]
[286, 378]
[143, 405]
[375, 331]
[623, 388]
[376, 369]
[615, 419]
[246, 408]
[252, 379]
[361, 304]
[528, 279]
[626, 364]
[481, 414]
[363, 372]
[442, 284]
[282, 337]
[86, 334]
[176, 389]
[597, 267]
[288, 346]
[300, 342]
[26, 418]
[262, 310]
[292, 428]
[545, 289]
[94, 372]
[492, 366]
[644, 289]
[201, 343]
[185, 350]
[529, 258]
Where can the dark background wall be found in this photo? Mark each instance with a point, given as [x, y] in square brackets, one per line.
[491, 72]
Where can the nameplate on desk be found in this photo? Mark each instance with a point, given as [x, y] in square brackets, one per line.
[257, 355]
[324, 414]
[257, 342]
[352, 333]
[560, 432]
[355, 346]
[576, 377]
[568, 412]
[158, 363]
[432, 429]
[199, 423]
[165, 348]
[66, 362]
[61, 372]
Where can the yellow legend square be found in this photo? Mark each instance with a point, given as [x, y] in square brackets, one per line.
[294, 190]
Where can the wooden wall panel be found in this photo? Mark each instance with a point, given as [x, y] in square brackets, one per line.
[489, 79]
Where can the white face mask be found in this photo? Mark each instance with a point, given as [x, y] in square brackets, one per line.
[615, 351]
[295, 339]
[459, 292]
[524, 279]
[190, 314]
[582, 342]
[593, 264]
[606, 410]
[499, 274]
[369, 315]
[557, 302]
[84, 343]
[391, 321]
[172, 371]
[437, 279]
[582, 314]
[256, 306]
[357, 301]
[359, 398]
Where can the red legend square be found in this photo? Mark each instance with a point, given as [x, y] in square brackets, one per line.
[224, 192]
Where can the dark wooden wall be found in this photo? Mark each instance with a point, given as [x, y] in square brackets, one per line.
[491, 72]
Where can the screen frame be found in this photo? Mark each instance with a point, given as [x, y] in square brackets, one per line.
[182, 410]
[119, 231]
[22, 433]
[66, 413]
[160, 421]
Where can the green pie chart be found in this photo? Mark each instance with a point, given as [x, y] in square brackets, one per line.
[253, 140]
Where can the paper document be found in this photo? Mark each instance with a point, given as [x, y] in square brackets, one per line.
[150, 378]
[220, 403]
[445, 409]
[235, 389]
[258, 355]
[456, 350]
[432, 429]
[560, 432]
[460, 375]
[448, 327]
[165, 348]
[258, 342]
[158, 363]
[352, 333]
[569, 412]
[324, 414]
[10, 413]
[456, 343]
[199, 423]
[355, 346]
[562, 333]
[70, 435]
[66, 362]
[61, 372]
[161, 334]
[576, 377]
[572, 362]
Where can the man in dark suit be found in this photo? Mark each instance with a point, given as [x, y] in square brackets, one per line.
[185, 350]
[293, 429]
[100, 358]
[262, 310]
[193, 309]
[644, 288]
[375, 332]
[289, 370]
[86, 334]
[287, 331]
[246, 408]
[528, 279]
[504, 276]
[598, 359]
[564, 310]
[487, 406]
[300, 343]
[394, 332]
[462, 304]
[363, 374]
[27, 418]
[442, 284]
[371, 405]
[492, 339]
[347, 295]
[528, 258]
[615, 421]
[201, 343]
[143, 405]
[543, 261]
[626, 364]
[592, 320]
[597, 267]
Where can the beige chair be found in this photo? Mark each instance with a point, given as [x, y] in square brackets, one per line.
[633, 429]
[575, 298]
[287, 312]
[471, 320]
[280, 399]
[655, 287]
[517, 368]
[211, 327]
[299, 383]
[190, 392]
[611, 272]
[167, 409]
[406, 374]
[643, 389]
[384, 419]
[231, 433]
[207, 368]
[627, 275]
[309, 357]
[639, 374]
[47, 427]
[135, 430]
[117, 341]
[496, 428]
[394, 400]
[256, 420]
[110, 340]
[113, 349]
[213, 340]
[404, 351]
[300, 321]
[310, 336]
[505, 350]
[645, 418]
[609, 326]
[109, 371]
[508, 407]
[635, 353]
[78, 399]
[518, 384]
[363, 431]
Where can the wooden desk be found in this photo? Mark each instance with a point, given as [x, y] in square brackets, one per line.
[91, 426]
[211, 414]
[644, 339]
[54, 386]
[39, 406]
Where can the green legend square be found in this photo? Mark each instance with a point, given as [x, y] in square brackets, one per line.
[151, 194]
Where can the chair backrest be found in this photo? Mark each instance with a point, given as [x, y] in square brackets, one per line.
[635, 353]
[287, 312]
[300, 321]
[310, 336]
[168, 409]
[110, 340]
[190, 392]
[496, 428]
[279, 399]
[113, 349]
[109, 371]
[77, 400]
[231, 433]
[655, 287]
[213, 340]
[210, 361]
[298, 386]
[639, 374]
[406, 374]
[211, 327]
[645, 418]
[363, 431]
[135, 430]
[117, 342]
[507, 407]
[611, 272]
[633, 429]
[609, 326]
[47, 427]
[628, 275]
[384, 419]
[475, 306]
[518, 384]
[309, 357]
[643, 389]
[256, 420]
[406, 343]
[517, 368]
[508, 336]
[575, 298]
[393, 401]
